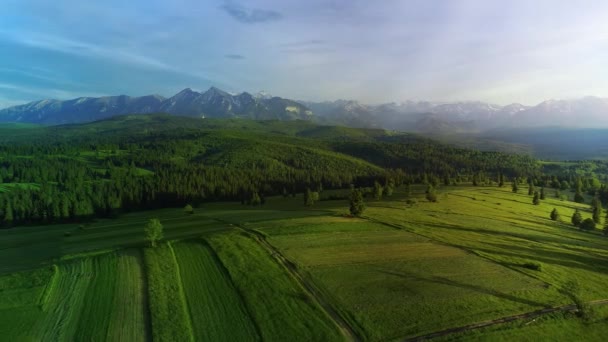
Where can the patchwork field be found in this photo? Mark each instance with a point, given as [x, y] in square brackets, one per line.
[285, 272]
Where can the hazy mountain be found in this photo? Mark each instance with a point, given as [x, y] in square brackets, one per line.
[82, 109]
[417, 116]
[465, 116]
[212, 103]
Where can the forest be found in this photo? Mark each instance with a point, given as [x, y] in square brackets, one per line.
[130, 163]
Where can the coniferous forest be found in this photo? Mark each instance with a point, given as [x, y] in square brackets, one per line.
[129, 163]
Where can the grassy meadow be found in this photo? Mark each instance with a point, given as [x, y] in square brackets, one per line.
[229, 272]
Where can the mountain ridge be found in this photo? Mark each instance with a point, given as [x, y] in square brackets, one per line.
[416, 116]
[214, 103]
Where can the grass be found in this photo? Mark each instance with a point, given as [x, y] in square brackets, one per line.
[65, 302]
[391, 283]
[564, 326]
[400, 271]
[168, 309]
[25, 248]
[217, 310]
[130, 301]
[278, 304]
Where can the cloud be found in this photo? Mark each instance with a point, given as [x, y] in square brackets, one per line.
[249, 15]
[234, 56]
[48, 92]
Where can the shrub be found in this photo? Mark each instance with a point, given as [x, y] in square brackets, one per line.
[554, 215]
[411, 202]
[588, 225]
[532, 266]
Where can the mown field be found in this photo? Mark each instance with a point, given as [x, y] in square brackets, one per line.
[282, 271]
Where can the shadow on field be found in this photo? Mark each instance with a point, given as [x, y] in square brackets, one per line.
[529, 237]
[572, 260]
[471, 287]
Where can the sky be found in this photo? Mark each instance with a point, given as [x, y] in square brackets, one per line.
[372, 51]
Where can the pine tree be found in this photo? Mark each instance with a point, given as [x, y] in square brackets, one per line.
[357, 206]
[542, 193]
[577, 218]
[554, 215]
[501, 180]
[597, 213]
[531, 189]
[515, 187]
[536, 199]
[579, 198]
[606, 225]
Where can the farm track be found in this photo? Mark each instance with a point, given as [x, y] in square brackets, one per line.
[312, 291]
[507, 319]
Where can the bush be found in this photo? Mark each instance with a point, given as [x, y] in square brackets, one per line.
[554, 215]
[532, 266]
[188, 209]
[588, 225]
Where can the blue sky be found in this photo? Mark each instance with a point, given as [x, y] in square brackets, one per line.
[374, 51]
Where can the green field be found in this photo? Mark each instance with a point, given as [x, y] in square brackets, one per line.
[216, 307]
[286, 272]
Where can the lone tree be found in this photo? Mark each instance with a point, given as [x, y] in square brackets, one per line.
[357, 206]
[606, 225]
[579, 198]
[554, 215]
[153, 231]
[577, 218]
[536, 199]
[188, 209]
[587, 224]
[501, 180]
[515, 187]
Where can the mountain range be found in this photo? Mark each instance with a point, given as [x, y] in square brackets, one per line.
[465, 117]
[214, 103]
[415, 116]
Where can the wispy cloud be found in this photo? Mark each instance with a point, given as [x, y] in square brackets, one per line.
[234, 56]
[62, 94]
[249, 15]
[74, 47]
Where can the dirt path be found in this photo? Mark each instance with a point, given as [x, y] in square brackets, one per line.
[310, 288]
[484, 324]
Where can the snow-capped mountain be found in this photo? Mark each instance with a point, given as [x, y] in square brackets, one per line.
[214, 103]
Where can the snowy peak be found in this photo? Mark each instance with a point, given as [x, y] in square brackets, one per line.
[213, 103]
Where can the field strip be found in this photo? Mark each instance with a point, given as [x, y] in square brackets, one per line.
[311, 290]
[170, 319]
[456, 246]
[507, 319]
[182, 294]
